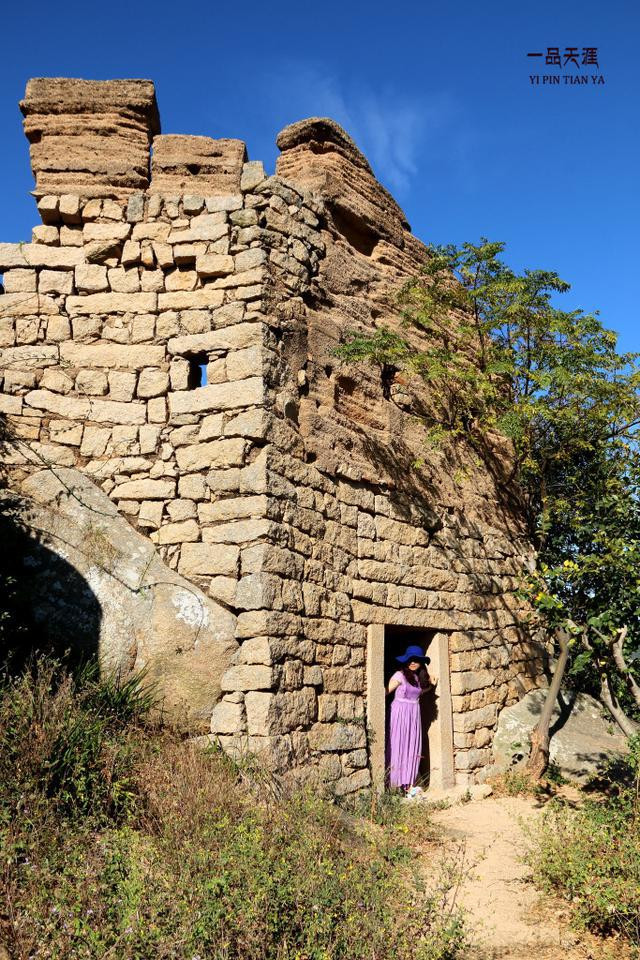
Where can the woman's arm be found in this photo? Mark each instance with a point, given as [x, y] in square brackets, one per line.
[394, 683]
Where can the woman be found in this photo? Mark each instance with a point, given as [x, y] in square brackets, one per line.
[405, 727]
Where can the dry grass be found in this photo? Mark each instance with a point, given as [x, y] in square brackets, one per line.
[119, 840]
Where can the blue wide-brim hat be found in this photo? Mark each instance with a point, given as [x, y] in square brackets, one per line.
[413, 653]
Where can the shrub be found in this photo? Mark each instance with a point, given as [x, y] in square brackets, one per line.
[591, 856]
[195, 864]
[66, 740]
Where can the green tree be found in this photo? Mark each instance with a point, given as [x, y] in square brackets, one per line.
[500, 356]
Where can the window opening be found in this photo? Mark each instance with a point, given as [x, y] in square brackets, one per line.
[197, 371]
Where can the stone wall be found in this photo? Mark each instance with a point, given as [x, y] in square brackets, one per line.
[296, 492]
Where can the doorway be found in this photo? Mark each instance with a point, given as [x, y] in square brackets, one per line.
[385, 643]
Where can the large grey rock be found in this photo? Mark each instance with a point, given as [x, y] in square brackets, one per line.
[88, 564]
[583, 738]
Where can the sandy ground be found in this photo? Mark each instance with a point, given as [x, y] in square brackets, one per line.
[505, 911]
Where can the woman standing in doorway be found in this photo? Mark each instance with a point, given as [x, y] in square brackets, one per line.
[405, 729]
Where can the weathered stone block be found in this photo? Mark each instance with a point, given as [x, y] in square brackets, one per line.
[470, 681]
[190, 300]
[227, 717]
[336, 736]
[152, 382]
[259, 623]
[359, 780]
[343, 679]
[111, 355]
[58, 329]
[56, 380]
[223, 589]
[226, 202]
[107, 303]
[122, 385]
[256, 650]
[248, 677]
[181, 532]
[20, 281]
[94, 441]
[472, 759]
[106, 231]
[214, 265]
[10, 405]
[150, 515]
[252, 174]
[39, 255]
[61, 431]
[217, 453]
[240, 531]
[250, 259]
[201, 559]
[242, 364]
[193, 487]
[246, 279]
[233, 508]
[218, 396]
[26, 305]
[146, 490]
[258, 591]
[91, 383]
[235, 337]
[123, 280]
[91, 278]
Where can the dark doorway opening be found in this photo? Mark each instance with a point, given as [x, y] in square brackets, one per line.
[396, 641]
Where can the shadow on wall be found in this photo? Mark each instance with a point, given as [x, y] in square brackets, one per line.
[46, 605]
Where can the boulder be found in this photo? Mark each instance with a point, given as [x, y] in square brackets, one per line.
[138, 613]
[583, 738]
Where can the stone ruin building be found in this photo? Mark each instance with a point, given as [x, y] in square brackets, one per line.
[219, 499]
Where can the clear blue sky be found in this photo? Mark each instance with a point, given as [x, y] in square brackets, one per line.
[436, 95]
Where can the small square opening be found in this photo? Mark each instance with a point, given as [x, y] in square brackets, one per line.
[197, 376]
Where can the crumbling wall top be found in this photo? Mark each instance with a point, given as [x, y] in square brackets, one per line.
[196, 165]
[90, 137]
[319, 155]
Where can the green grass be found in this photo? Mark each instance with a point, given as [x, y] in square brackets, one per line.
[120, 839]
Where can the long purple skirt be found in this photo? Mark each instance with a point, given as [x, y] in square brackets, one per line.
[405, 742]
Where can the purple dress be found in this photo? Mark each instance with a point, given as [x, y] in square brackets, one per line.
[405, 733]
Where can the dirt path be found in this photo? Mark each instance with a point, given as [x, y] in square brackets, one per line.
[504, 908]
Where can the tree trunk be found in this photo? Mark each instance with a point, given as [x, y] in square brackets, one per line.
[621, 664]
[607, 697]
[628, 726]
[539, 756]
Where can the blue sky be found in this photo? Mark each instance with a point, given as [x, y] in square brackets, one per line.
[436, 95]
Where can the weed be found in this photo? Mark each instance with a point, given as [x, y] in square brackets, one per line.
[591, 856]
[99, 548]
[118, 840]
[515, 783]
